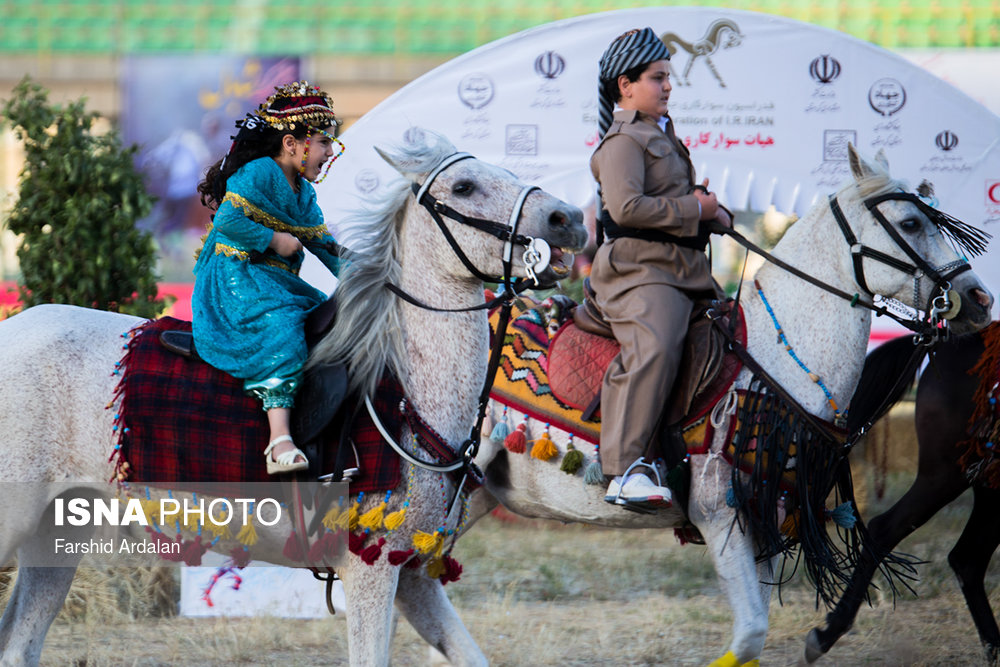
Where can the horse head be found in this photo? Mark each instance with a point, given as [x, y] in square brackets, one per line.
[494, 225]
[451, 223]
[902, 248]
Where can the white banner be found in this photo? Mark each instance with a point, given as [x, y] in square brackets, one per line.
[766, 104]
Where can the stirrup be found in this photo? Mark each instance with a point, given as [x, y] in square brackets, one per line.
[644, 505]
[285, 462]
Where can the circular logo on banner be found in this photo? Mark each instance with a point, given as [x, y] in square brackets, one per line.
[366, 181]
[824, 69]
[475, 90]
[946, 140]
[887, 96]
[993, 192]
[550, 65]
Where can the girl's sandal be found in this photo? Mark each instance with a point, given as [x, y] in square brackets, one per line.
[285, 462]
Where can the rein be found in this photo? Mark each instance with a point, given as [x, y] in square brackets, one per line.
[940, 306]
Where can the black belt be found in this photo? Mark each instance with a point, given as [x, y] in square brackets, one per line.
[612, 230]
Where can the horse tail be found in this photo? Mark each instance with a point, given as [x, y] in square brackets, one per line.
[889, 372]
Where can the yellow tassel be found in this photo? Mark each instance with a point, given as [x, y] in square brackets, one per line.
[753, 663]
[220, 530]
[247, 534]
[395, 520]
[151, 509]
[352, 516]
[432, 543]
[435, 568]
[372, 519]
[218, 526]
[343, 521]
[544, 448]
[332, 518]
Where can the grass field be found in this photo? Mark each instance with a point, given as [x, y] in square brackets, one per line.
[538, 593]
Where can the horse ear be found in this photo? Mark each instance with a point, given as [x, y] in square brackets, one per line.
[411, 160]
[859, 168]
[882, 159]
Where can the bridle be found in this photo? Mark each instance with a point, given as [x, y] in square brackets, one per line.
[536, 257]
[537, 252]
[944, 302]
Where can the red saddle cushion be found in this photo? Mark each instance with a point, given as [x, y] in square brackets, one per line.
[578, 360]
[577, 363]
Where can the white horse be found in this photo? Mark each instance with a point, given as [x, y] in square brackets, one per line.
[55, 382]
[827, 333]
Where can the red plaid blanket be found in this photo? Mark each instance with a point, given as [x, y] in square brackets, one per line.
[181, 420]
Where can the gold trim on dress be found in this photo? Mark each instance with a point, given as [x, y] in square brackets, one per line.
[271, 222]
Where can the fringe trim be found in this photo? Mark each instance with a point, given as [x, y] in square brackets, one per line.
[784, 469]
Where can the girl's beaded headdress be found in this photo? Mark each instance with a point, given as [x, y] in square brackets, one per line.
[292, 105]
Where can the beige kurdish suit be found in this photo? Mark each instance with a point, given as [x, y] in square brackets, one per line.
[644, 288]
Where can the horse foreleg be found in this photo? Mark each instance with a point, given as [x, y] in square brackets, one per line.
[928, 494]
[35, 601]
[969, 560]
[369, 591]
[733, 555]
[426, 606]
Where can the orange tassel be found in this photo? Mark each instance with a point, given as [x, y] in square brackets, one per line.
[544, 449]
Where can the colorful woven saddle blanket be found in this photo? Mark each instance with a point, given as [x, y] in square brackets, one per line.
[552, 370]
[181, 420]
[979, 457]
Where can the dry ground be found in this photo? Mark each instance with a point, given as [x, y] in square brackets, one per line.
[536, 593]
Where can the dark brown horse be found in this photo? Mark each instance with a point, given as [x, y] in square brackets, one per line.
[946, 400]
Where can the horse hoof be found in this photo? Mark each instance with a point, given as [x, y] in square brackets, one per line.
[814, 651]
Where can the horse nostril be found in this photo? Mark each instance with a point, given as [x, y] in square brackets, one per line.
[558, 218]
[981, 297]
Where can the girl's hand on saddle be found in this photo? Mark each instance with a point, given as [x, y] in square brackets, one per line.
[284, 244]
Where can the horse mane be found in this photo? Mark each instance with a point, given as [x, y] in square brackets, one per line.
[889, 371]
[874, 184]
[367, 334]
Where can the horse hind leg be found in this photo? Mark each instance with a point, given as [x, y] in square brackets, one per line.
[969, 559]
[426, 606]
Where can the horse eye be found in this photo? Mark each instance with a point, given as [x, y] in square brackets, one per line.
[909, 224]
[463, 188]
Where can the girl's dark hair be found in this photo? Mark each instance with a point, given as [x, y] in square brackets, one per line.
[610, 86]
[266, 143]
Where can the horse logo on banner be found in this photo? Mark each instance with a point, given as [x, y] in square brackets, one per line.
[722, 34]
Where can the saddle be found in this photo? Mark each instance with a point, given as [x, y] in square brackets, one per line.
[583, 348]
[322, 391]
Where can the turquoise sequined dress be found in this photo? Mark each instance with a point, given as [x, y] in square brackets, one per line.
[249, 305]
